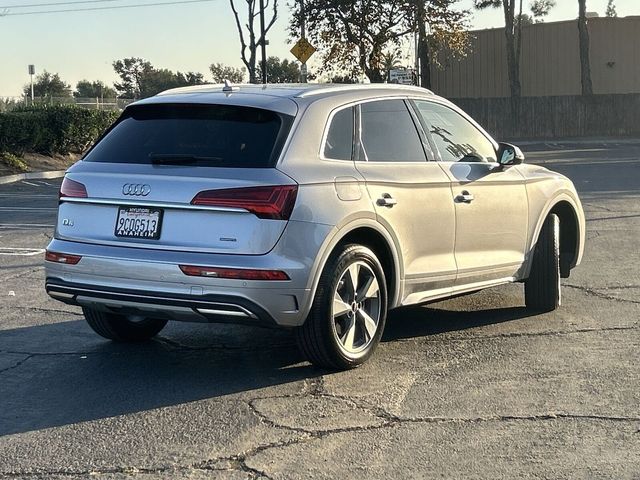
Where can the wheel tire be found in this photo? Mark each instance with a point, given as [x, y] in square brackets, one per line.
[119, 328]
[318, 338]
[542, 288]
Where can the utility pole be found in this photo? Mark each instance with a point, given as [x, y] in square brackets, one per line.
[303, 34]
[263, 44]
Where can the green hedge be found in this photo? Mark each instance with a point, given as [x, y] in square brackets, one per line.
[58, 129]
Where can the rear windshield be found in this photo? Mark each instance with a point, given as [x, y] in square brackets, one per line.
[199, 135]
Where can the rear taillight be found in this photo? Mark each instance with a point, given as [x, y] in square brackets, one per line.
[61, 258]
[71, 188]
[275, 203]
[233, 273]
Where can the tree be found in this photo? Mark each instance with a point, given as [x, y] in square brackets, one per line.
[252, 39]
[390, 61]
[48, 85]
[222, 72]
[87, 89]
[352, 35]
[190, 78]
[541, 8]
[583, 36]
[513, 33]
[284, 71]
[140, 79]
[611, 9]
[343, 79]
[525, 20]
[448, 33]
[131, 71]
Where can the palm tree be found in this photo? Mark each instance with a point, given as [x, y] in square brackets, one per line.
[390, 61]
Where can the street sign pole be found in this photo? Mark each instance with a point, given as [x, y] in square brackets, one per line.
[303, 34]
[263, 44]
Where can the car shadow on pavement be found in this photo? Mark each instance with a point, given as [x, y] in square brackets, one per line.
[62, 373]
[412, 322]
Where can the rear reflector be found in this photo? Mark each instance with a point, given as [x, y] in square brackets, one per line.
[61, 258]
[274, 202]
[71, 188]
[233, 273]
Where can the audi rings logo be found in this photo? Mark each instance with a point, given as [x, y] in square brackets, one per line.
[136, 189]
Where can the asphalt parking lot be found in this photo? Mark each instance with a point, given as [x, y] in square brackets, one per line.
[468, 388]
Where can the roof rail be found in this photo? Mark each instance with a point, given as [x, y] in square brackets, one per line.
[363, 86]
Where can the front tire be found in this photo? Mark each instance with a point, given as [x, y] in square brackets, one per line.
[121, 328]
[349, 311]
[542, 288]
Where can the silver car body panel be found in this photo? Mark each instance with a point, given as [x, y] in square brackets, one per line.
[438, 247]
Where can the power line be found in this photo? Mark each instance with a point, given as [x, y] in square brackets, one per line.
[91, 9]
[33, 5]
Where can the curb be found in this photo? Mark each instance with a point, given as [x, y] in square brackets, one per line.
[31, 175]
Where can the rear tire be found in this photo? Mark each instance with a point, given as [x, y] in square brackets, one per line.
[542, 288]
[120, 328]
[345, 324]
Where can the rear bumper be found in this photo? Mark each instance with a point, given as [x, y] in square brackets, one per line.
[204, 308]
[149, 282]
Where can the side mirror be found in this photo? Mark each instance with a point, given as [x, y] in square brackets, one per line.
[509, 155]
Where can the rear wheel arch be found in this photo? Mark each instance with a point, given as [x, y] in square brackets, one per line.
[378, 244]
[370, 235]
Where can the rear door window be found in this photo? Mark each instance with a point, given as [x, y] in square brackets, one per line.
[388, 133]
[201, 135]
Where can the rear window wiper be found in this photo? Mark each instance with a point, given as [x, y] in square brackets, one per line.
[179, 158]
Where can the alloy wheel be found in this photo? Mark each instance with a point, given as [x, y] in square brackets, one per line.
[356, 308]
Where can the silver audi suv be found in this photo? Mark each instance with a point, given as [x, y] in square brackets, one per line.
[312, 207]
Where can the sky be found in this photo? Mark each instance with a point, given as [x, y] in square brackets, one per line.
[187, 37]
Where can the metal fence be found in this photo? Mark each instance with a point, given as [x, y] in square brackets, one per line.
[10, 103]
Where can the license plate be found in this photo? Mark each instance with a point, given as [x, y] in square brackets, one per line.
[139, 222]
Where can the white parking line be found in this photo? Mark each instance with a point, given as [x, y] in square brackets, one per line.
[29, 183]
[21, 252]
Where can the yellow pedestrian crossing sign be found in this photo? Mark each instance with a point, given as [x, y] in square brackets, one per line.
[303, 50]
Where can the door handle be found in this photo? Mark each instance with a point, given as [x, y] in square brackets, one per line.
[465, 197]
[386, 200]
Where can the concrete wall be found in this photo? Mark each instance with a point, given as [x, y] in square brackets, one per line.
[550, 63]
[556, 117]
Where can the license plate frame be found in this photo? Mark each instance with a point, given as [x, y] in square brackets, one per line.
[144, 214]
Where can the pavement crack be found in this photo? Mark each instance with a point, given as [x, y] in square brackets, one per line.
[21, 274]
[512, 418]
[17, 364]
[43, 310]
[616, 328]
[177, 346]
[596, 293]
[272, 423]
